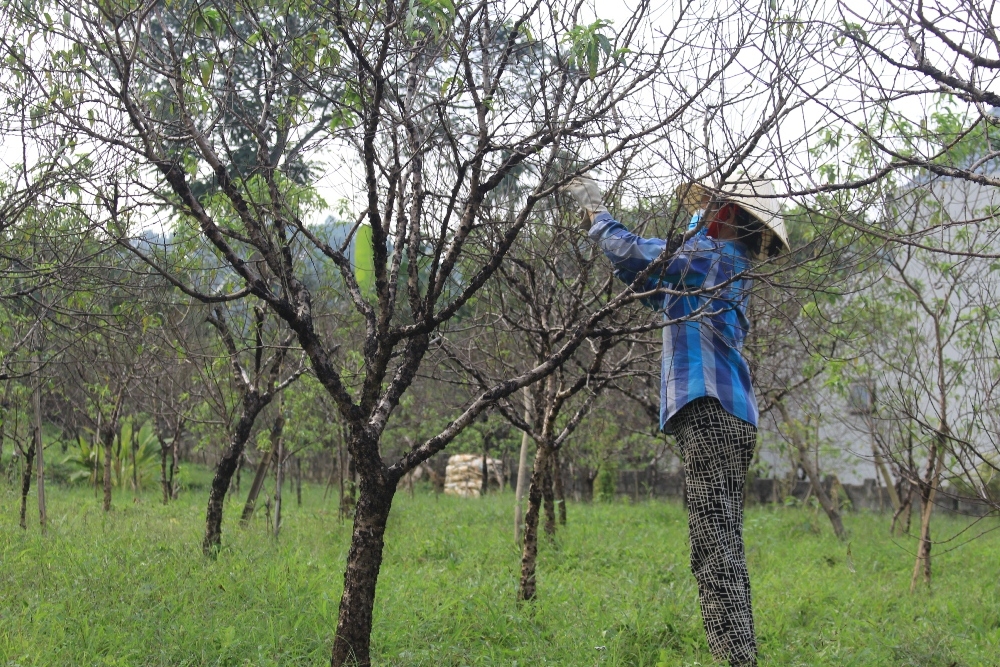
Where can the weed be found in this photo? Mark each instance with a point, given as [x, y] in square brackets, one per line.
[133, 589]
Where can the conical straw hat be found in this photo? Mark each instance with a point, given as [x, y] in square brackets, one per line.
[756, 196]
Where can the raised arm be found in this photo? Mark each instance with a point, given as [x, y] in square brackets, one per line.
[630, 254]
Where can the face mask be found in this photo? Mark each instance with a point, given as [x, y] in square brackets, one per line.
[695, 219]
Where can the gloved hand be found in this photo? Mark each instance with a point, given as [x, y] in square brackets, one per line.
[588, 195]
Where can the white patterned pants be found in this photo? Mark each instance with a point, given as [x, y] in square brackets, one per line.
[717, 450]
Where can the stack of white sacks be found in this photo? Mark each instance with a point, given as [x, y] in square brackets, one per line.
[464, 475]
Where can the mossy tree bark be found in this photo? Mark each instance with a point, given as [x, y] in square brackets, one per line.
[253, 403]
[377, 487]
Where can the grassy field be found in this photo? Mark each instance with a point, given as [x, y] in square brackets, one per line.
[132, 588]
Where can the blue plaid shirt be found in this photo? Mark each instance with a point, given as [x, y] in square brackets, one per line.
[701, 355]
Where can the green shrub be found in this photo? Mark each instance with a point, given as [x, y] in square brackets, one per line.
[604, 484]
[135, 456]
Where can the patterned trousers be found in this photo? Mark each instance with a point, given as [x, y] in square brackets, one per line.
[717, 450]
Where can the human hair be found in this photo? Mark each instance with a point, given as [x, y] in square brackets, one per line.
[750, 230]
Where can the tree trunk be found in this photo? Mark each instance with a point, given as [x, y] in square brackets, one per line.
[265, 461]
[485, 485]
[175, 488]
[351, 646]
[239, 470]
[329, 481]
[135, 468]
[529, 554]
[341, 465]
[347, 498]
[884, 471]
[108, 438]
[255, 487]
[298, 481]
[252, 406]
[163, 472]
[814, 481]
[928, 490]
[279, 478]
[557, 476]
[548, 496]
[121, 469]
[504, 471]
[901, 517]
[522, 471]
[36, 401]
[591, 476]
[825, 501]
[906, 510]
[97, 445]
[29, 460]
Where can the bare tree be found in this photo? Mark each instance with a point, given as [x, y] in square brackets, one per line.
[789, 346]
[539, 296]
[257, 385]
[916, 322]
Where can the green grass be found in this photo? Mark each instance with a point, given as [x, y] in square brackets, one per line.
[132, 588]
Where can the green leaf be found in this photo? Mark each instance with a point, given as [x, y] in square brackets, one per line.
[587, 43]
[364, 258]
[207, 69]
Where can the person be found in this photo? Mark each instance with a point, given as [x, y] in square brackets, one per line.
[706, 395]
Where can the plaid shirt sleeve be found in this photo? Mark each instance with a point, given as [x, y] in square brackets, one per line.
[630, 254]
